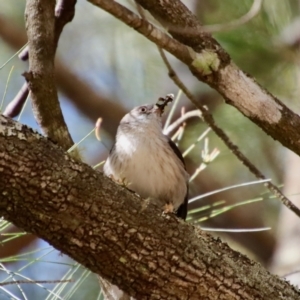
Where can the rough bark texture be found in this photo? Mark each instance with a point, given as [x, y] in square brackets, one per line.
[212, 65]
[40, 25]
[183, 25]
[64, 13]
[116, 234]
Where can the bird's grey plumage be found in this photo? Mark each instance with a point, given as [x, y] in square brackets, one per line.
[148, 161]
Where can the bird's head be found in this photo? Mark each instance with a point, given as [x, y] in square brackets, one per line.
[146, 117]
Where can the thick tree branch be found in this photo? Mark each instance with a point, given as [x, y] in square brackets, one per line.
[64, 13]
[212, 65]
[40, 23]
[116, 234]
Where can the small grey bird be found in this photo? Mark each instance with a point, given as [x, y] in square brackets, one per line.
[147, 161]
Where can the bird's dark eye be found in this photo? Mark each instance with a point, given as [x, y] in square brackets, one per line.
[143, 109]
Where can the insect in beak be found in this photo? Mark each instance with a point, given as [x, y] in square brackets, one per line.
[162, 103]
[158, 110]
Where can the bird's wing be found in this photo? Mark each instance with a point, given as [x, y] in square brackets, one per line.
[183, 208]
[176, 150]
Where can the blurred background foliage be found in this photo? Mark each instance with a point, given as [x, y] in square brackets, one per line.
[126, 69]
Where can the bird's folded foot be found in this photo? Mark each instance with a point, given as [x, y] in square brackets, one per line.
[120, 181]
[168, 208]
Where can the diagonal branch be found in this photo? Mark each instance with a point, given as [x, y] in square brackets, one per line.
[209, 62]
[116, 234]
[209, 119]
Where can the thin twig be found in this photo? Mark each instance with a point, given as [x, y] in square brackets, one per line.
[34, 281]
[15, 106]
[6, 86]
[183, 118]
[208, 118]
